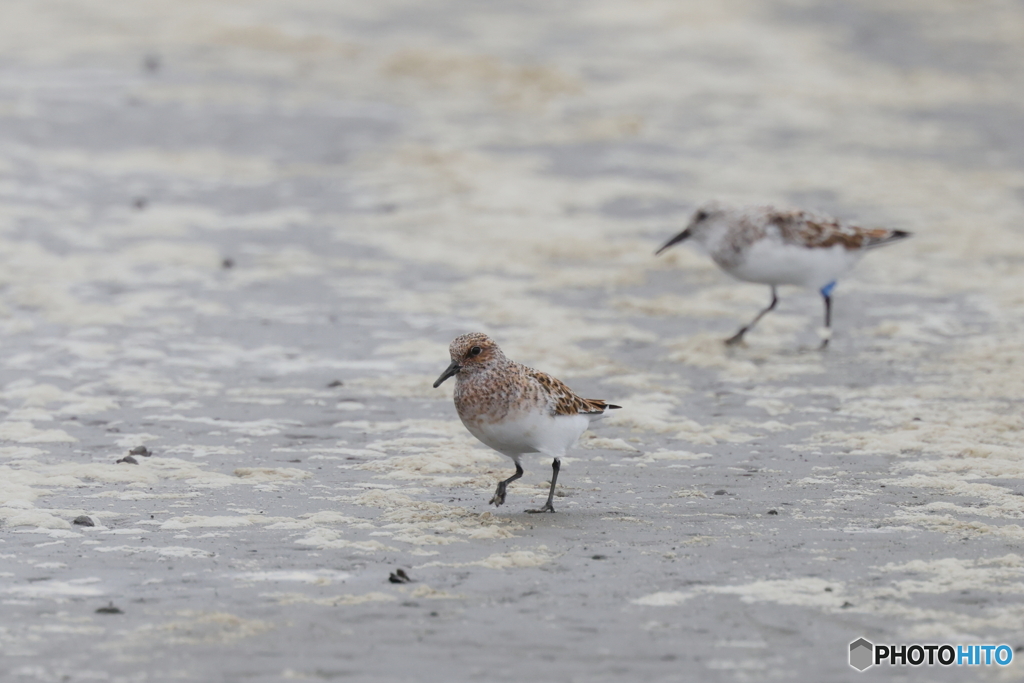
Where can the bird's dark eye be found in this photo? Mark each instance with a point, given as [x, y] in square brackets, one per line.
[701, 215]
[475, 351]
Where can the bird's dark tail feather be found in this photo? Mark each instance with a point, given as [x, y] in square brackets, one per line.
[894, 236]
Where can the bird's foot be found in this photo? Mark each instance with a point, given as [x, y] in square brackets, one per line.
[548, 507]
[499, 496]
[826, 336]
[736, 339]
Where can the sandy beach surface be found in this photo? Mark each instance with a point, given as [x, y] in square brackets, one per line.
[238, 237]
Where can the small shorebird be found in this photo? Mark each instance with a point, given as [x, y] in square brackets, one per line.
[781, 247]
[515, 409]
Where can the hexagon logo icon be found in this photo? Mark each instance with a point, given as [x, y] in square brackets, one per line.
[862, 654]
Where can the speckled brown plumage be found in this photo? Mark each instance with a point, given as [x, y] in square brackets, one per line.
[491, 386]
[814, 231]
[564, 401]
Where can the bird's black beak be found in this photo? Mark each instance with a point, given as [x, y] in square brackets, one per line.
[453, 369]
[675, 240]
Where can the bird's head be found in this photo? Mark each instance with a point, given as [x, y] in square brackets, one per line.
[469, 353]
[701, 223]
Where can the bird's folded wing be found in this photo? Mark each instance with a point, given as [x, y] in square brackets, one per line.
[564, 401]
[814, 231]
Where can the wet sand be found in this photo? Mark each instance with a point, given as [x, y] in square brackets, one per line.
[242, 235]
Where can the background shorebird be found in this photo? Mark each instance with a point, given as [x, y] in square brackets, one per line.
[781, 247]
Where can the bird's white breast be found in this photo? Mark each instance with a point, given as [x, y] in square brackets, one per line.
[530, 432]
[772, 262]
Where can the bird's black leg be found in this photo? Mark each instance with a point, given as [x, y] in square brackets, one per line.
[738, 337]
[826, 293]
[556, 465]
[828, 322]
[499, 494]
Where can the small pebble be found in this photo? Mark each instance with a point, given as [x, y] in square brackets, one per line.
[720, 492]
[335, 383]
[140, 450]
[399, 576]
[773, 512]
[83, 520]
[227, 263]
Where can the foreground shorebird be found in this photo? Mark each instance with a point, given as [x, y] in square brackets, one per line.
[515, 409]
[781, 247]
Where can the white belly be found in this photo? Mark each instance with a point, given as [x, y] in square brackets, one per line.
[772, 263]
[530, 433]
